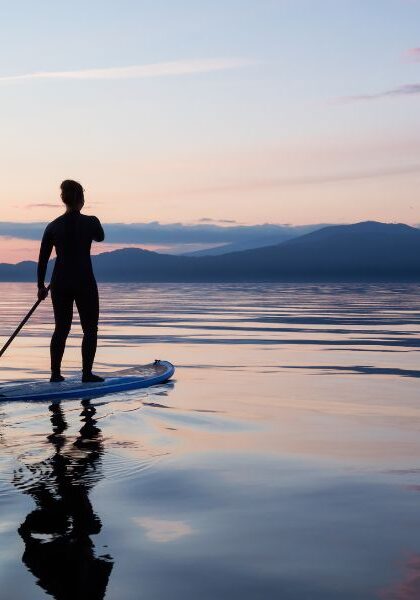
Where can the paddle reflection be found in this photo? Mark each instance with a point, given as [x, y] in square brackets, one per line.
[59, 550]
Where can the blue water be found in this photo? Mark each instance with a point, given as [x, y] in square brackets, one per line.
[283, 461]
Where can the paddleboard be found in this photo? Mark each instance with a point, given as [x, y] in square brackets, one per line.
[135, 378]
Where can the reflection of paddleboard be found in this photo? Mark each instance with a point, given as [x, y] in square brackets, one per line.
[139, 377]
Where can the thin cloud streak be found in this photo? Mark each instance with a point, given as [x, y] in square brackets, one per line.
[53, 205]
[410, 89]
[42, 205]
[305, 180]
[217, 221]
[165, 69]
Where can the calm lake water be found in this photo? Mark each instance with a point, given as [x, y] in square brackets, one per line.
[282, 462]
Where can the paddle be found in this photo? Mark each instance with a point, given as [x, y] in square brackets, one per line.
[21, 324]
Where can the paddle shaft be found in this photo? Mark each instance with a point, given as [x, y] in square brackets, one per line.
[21, 324]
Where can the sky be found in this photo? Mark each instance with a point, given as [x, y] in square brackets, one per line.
[245, 111]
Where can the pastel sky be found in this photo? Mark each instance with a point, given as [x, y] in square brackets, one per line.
[280, 111]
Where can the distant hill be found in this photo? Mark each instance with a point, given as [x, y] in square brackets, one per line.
[283, 234]
[364, 251]
[23, 271]
[368, 250]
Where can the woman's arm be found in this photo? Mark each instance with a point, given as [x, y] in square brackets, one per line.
[44, 256]
[98, 234]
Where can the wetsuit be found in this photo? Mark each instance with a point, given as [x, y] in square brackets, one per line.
[72, 281]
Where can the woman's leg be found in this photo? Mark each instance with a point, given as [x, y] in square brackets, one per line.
[63, 314]
[87, 302]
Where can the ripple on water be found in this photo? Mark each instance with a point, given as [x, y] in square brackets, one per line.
[45, 447]
[80, 466]
[6, 474]
[119, 467]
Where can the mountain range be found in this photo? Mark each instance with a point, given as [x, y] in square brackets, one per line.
[269, 236]
[363, 251]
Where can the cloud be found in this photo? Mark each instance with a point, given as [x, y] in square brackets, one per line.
[42, 205]
[303, 180]
[172, 233]
[413, 55]
[410, 89]
[208, 220]
[164, 69]
[52, 205]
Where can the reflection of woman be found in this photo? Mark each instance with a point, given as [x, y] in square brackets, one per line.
[73, 279]
[58, 548]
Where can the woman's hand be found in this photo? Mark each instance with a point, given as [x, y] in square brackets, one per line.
[42, 293]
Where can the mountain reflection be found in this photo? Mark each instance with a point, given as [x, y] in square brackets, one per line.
[57, 534]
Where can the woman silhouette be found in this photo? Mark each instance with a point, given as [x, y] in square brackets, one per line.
[72, 279]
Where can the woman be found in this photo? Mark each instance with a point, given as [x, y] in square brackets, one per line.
[72, 279]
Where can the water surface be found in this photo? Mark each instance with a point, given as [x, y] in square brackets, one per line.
[283, 461]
